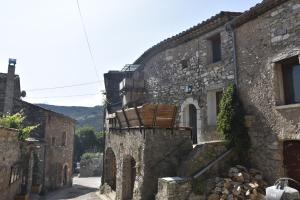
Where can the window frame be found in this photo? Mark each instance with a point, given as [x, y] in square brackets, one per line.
[280, 85]
[212, 107]
[212, 58]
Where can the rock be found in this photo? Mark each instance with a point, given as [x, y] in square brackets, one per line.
[223, 197]
[227, 185]
[247, 193]
[253, 196]
[225, 191]
[236, 191]
[230, 197]
[214, 197]
[218, 190]
[241, 168]
[258, 177]
[233, 171]
[253, 185]
[260, 196]
[254, 172]
[218, 179]
[238, 178]
[246, 176]
[254, 192]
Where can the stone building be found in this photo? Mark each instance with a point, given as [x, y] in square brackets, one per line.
[268, 71]
[53, 155]
[10, 154]
[257, 50]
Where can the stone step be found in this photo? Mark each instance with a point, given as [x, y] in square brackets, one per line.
[110, 196]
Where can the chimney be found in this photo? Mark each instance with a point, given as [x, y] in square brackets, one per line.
[10, 84]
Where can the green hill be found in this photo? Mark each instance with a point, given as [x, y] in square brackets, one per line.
[85, 116]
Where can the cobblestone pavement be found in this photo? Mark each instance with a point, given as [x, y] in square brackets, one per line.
[83, 189]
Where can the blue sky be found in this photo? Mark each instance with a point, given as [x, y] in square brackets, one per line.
[47, 39]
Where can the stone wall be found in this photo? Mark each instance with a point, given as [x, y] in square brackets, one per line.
[262, 42]
[168, 73]
[156, 153]
[173, 188]
[91, 167]
[10, 155]
[200, 157]
[59, 135]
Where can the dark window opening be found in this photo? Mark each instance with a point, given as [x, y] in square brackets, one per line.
[219, 96]
[184, 64]
[291, 80]
[53, 141]
[215, 48]
[64, 139]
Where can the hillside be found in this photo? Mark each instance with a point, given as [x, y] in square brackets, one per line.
[85, 116]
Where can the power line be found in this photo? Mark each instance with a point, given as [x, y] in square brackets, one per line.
[87, 40]
[64, 86]
[67, 96]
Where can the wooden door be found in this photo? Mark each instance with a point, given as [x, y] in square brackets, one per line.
[292, 161]
[193, 122]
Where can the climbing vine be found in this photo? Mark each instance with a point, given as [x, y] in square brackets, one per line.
[231, 122]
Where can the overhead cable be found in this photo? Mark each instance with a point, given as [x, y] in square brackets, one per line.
[67, 96]
[64, 86]
[87, 40]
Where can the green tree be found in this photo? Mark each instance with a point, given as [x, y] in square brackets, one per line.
[87, 140]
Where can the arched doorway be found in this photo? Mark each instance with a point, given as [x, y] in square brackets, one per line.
[190, 117]
[110, 168]
[65, 175]
[128, 177]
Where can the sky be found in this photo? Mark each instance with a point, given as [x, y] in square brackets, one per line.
[47, 39]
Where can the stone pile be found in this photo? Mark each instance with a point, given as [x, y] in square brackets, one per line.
[241, 184]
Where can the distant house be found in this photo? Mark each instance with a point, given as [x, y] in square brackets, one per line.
[53, 152]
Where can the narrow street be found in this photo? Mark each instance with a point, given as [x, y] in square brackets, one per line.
[83, 189]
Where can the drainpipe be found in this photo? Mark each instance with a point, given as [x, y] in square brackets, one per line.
[229, 28]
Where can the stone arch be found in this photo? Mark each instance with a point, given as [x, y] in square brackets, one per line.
[190, 116]
[128, 177]
[110, 168]
[65, 173]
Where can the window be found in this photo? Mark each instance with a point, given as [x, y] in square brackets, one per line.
[288, 73]
[291, 80]
[53, 141]
[64, 139]
[184, 63]
[213, 108]
[215, 48]
[219, 96]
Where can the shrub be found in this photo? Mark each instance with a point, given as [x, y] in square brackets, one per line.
[88, 156]
[16, 121]
[231, 122]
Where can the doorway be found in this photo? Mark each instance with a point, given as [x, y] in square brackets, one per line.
[292, 161]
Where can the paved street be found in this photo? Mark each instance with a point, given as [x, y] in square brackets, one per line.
[83, 189]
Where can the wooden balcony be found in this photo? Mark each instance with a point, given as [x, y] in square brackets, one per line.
[145, 116]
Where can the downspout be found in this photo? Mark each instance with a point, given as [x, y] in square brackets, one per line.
[229, 28]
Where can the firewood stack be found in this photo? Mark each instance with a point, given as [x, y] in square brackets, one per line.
[241, 184]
